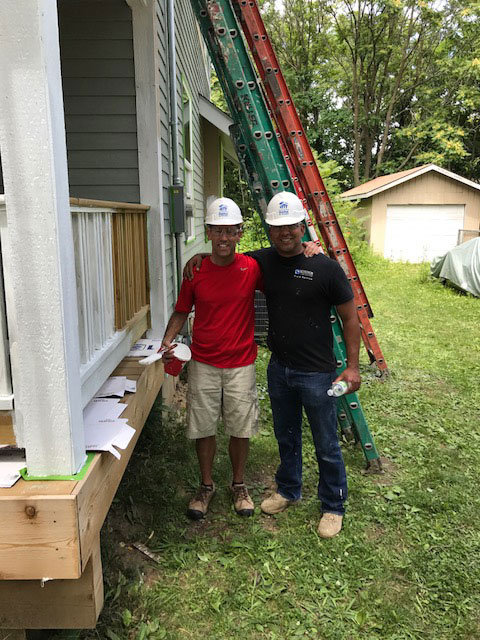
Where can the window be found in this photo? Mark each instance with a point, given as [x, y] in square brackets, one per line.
[188, 164]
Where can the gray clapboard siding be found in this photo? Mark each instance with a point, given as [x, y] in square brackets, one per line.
[91, 177]
[192, 68]
[161, 47]
[189, 66]
[101, 124]
[96, 44]
[119, 140]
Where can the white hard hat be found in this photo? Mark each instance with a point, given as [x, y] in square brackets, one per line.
[284, 208]
[223, 211]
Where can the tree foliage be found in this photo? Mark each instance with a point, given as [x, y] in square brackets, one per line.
[383, 85]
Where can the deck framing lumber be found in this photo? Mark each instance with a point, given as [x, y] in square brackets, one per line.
[50, 529]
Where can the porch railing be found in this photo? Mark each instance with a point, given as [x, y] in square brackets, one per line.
[110, 243]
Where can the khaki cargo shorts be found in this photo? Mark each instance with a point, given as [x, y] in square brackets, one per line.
[214, 392]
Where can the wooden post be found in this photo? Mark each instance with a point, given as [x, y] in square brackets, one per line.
[37, 243]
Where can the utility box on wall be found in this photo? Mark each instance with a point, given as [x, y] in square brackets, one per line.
[177, 208]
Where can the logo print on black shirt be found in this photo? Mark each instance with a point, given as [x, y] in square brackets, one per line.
[303, 274]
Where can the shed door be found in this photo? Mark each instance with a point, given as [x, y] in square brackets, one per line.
[420, 232]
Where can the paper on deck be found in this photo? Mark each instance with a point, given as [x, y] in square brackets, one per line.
[108, 435]
[100, 408]
[131, 386]
[10, 465]
[144, 347]
[113, 386]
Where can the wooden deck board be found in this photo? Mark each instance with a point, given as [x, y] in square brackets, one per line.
[49, 528]
[96, 491]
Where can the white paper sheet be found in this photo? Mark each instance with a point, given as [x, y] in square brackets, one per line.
[101, 408]
[10, 465]
[131, 386]
[107, 435]
[144, 347]
[113, 386]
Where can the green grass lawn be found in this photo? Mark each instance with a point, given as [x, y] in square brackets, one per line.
[407, 562]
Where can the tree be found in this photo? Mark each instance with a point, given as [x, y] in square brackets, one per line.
[301, 32]
[382, 85]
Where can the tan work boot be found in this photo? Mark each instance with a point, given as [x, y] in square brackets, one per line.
[330, 524]
[275, 504]
[198, 505]
[242, 502]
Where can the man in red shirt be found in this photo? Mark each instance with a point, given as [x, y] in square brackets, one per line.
[221, 374]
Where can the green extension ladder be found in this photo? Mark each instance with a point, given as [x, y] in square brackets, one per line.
[268, 167]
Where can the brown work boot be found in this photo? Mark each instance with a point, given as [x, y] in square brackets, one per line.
[330, 525]
[198, 505]
[275, 504]
[242, 502]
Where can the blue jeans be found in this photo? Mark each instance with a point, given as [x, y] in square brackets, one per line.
[289, 390]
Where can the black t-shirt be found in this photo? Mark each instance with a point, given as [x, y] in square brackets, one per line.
[300, 292]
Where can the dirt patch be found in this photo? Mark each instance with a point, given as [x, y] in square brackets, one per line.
[179, 401]
[389, 471]
[374, 533]
[269, 523]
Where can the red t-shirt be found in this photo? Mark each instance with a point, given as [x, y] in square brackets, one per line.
[224, 312]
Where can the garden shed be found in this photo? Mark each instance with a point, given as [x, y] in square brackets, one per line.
[417, 214]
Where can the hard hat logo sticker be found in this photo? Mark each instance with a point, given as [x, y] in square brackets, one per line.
[283, 208]
[223, 210]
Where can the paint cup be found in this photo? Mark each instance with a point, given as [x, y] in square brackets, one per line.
[181, 355]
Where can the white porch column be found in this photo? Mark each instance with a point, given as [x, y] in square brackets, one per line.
[38, 246]
[149, 154]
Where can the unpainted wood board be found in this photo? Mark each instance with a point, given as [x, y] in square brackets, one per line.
[128, 266]
[123, 266]
[34, 488]
[39, 538]
[59, 604]
[97, 490]
[13, 634]
[7, 435]
[111, 204]
[116, 259]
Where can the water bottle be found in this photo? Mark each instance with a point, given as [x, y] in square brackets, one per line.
[338, 389]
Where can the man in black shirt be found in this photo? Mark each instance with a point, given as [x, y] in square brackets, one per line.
[300, 292]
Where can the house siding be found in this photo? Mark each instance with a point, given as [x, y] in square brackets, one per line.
[189, 66]
[98, 76]
[96, 44]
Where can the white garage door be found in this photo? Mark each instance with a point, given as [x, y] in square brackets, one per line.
[416, 233]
